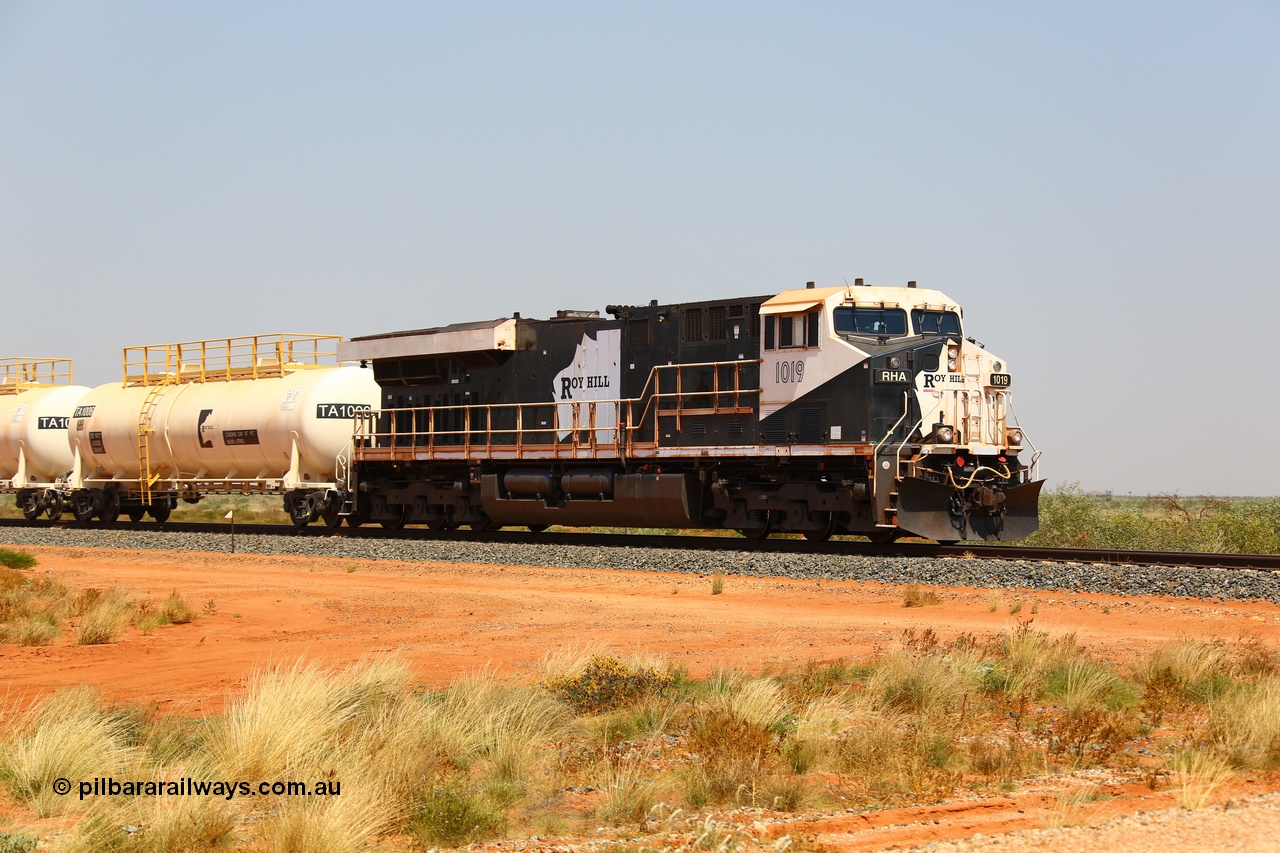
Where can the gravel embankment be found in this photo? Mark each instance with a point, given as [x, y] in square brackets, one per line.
[1226, 584]
[1242, 826]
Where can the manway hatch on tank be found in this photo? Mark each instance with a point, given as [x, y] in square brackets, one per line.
[21, 372]
[228, 359]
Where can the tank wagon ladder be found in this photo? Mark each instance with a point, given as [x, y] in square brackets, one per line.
[146, 479]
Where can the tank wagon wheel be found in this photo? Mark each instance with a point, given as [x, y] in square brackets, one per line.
[883, 537]
[110, 511]
[83, 506]
[136, 513]
[538, 528]
[31, 509]
[300, 516]
[160, 512]
[354, 520]
[55, 506]
[330, 514]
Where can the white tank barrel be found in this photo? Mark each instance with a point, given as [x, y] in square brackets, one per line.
[195, 414]
[245, 429]
[34, 412]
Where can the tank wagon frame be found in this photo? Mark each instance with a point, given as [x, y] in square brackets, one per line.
[816, 411]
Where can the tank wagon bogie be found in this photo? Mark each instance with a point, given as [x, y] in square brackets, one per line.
[269, 414]
[37, 398]
[816, 411]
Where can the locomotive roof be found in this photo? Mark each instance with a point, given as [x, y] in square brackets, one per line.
[483, 336]
[902, 297]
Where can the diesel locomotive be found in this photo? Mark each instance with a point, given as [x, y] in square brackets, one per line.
[836, 410]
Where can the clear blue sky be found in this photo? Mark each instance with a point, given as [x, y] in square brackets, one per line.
[1098, 183]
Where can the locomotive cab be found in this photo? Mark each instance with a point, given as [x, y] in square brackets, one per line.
[891, 369]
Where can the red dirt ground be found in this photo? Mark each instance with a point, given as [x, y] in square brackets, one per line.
[446, 619]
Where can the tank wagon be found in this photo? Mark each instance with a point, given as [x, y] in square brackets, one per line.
[37, 397]
[856, 409]
[269, 414]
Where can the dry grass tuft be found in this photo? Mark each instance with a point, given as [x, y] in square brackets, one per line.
[69, 735]
[630, 792]
[918, 684]
[175, 610]
[1245, 720]
[348, 823]
[105, 616]
[290, 717]
[915, 596]
[1195, 777]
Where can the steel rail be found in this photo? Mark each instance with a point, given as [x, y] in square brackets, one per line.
[836, 547]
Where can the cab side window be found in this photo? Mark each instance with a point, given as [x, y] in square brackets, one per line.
[878, 322]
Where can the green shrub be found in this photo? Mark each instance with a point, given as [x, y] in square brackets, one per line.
[606, 683]
[10, 843]
[452, 816]
[16, 559]
[176, 611]
[1070, 518]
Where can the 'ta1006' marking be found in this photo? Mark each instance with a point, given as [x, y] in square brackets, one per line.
[786, 372]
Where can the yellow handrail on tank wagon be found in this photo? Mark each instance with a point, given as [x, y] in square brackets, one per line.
[21, 372]
[227, 359]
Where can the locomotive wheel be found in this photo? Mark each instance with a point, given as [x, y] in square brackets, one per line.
[882, 537]
[110, 511]
[825, 533]
[136, 513]
[160, 512]
[55, 506]
[538, 528]
[397, 522]
[484, 525]
[354, 520]
[756, 534]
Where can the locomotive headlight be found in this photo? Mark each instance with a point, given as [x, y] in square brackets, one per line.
[997, 367]
[945, 434]
[1015, 437]
[894, 361]
[951, 364]
[953, 351]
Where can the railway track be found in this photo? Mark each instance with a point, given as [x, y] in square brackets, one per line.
[836, 547]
